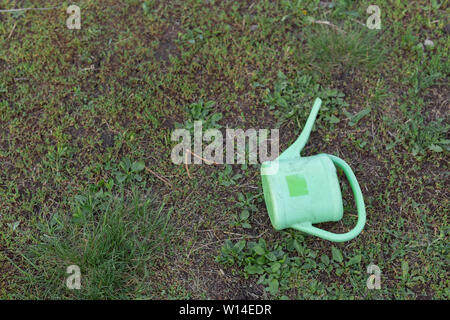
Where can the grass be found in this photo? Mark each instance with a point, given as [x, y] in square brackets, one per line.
[115, 235]
[292, 99]
[86, 118]
[357, 48]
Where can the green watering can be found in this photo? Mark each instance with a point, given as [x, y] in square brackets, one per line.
[301, 191]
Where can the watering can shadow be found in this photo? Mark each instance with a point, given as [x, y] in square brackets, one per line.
[302, 191]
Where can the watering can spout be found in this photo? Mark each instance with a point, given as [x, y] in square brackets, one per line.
[294, 150]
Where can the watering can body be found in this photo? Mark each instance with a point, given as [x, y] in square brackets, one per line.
[302, 191]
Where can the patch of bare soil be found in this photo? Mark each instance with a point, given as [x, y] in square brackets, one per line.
[167, 46]
[437, 102]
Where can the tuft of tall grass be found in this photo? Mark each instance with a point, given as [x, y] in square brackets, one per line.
[357, 48]
[115, 238]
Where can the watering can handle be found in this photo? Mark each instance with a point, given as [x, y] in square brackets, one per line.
[309, 228]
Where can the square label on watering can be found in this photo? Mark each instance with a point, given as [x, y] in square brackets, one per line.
[297, 185]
